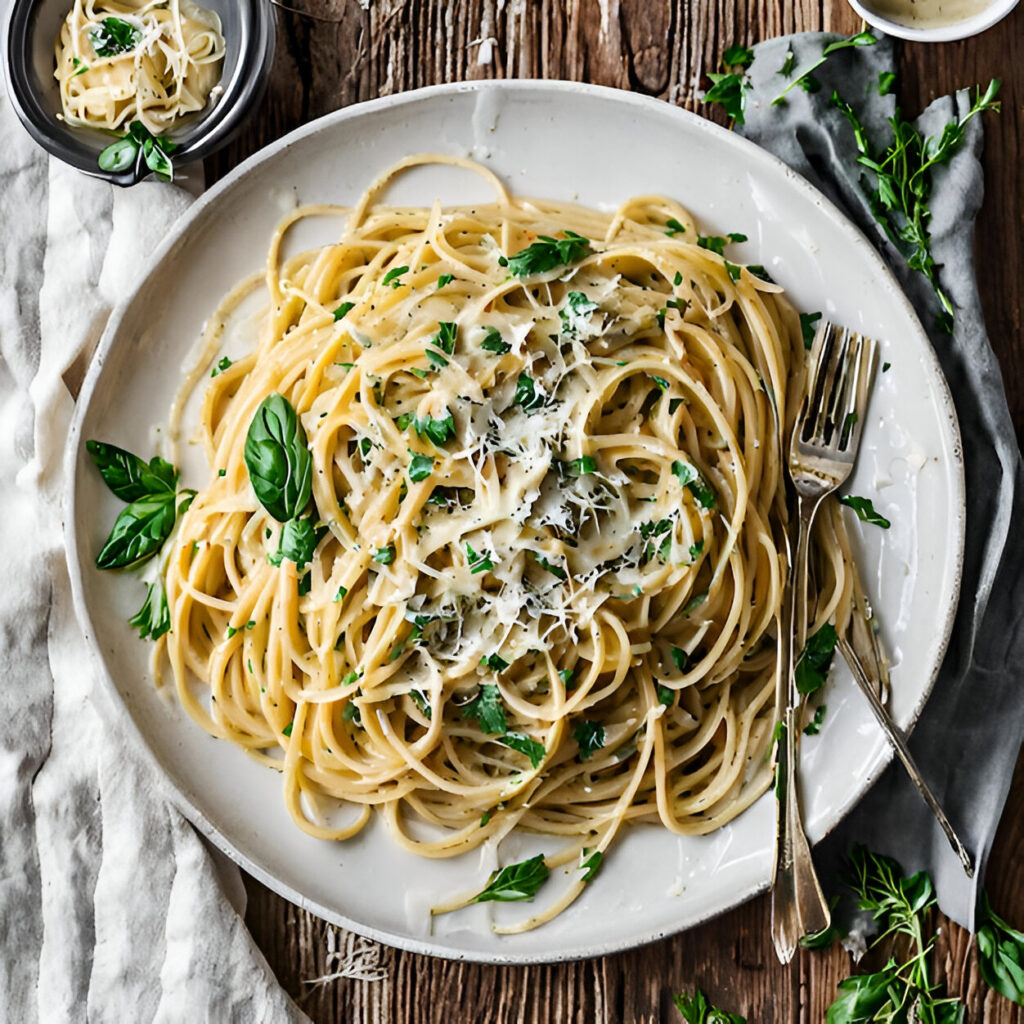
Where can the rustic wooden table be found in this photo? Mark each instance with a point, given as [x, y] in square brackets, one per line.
[661, 47]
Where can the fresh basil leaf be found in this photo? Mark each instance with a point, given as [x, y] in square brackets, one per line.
[157, 160]
[1001, 954]
[525, 745]
[865, 510]
[547, 254]
[119, 156]
[113, 36]
[128, 476]
[516, 882]
[277, 457]
[139, 532]
[486, 707]
[153, 619]
[862, 996]
[590, 737]
[299, 539]
[815, 660]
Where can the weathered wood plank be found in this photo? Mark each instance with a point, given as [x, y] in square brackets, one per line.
[659, 47]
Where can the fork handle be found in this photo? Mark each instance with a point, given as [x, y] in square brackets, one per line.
[895, 736]
[798, 905]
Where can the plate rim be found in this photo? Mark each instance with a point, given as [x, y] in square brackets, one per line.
[114, 704]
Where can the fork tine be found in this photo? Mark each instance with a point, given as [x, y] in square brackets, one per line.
[822, 357]
[861, 388]
[832, 413]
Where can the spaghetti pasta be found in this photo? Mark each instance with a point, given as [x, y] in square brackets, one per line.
[541, 575]
[151, 61]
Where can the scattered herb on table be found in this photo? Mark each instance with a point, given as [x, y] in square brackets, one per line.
[730, 86]
[697, 1010]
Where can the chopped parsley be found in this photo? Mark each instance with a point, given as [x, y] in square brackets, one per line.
[545, 564]
[691, 478]
[865, 510]
[673, 228]
[478, 563]
[576, 313]
[436, 430]
[680, 658]
[384, 555]
[443, 340]
[717, 244]
[420, 700]
[486, 707]
[526, 393]
[342, 311]
[583, 466]
[666, 696]
[393, 276]
[590, 737]
[493, 343]
[534, 750]
[516, 882]
[444, 279]
[547, 254]
[590, 863]
[113, 36]
[495, 662]
[808, 328]
[420, 467]
[813, 727]
[815, 660]
[223, 365]
[341, 594]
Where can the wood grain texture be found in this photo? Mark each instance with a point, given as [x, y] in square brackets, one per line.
[659, 47]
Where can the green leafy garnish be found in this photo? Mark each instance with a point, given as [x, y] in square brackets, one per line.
[420, 467]
[113, 36]
[516, 882]
[732, 270]
[444, 279]
[495, 662]
[1001, 954]
[690, 477]
[717, 244]
[139, 531]
[128, 476]
[278, 460]
[422, 702]
[123, 154]
[547, 254]
[680, 658]
[436, 430]
[590, 863]
[576, 313]
[478, 563]
[815, 660]
[487, 709]
[808, 328]
[299, 539]
[493, 343]
[787, 65]
[886, 82]
[526, 393]
[548, 567]
[865, 510]
[666, 695]
[807, 81]
[729, 88]
[534, 750]
[697, 1010]
[223, 365]
[153, 619]
[590, 737]
[443, 340]
[813, 727]
[392, 277]
[343, 310]
[583, 466]
[902, 177]
[384, 555]
[80, 65]
[673, 228]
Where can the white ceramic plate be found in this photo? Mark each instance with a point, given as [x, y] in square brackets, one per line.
[597, 146]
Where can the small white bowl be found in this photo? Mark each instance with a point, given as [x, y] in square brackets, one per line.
[924, 32]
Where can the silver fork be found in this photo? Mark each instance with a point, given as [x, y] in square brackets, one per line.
[822, 451]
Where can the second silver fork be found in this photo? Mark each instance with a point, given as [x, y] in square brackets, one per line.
[821, 455]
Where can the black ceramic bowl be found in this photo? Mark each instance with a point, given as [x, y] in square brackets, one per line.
[30, 33]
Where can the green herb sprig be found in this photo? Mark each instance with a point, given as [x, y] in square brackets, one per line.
[805, 77]
[516, 882]
[121, 155]
[547, 254]
[900, 183]
[729, 87]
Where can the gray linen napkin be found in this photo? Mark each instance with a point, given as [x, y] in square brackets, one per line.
[967, 738]
[111, 907]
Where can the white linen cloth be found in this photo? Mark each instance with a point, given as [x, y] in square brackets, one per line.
[111, 906]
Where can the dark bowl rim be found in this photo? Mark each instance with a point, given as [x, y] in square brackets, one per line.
[206, 137]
